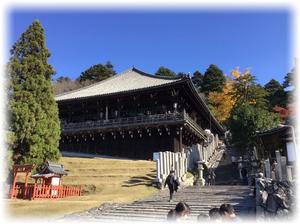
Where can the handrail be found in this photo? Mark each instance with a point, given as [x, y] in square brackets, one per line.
[124, 121]
[175, 117]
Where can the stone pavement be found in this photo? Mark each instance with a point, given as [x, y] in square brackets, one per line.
[155, 208]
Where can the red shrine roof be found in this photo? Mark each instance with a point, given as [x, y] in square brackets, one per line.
[132, 79]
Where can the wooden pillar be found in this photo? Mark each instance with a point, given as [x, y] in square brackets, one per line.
[180, 140]
[69, 114]
[106, 112]
[34, 189]
[12, 192]
[26, 186]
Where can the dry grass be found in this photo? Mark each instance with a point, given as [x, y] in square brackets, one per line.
[104, 180]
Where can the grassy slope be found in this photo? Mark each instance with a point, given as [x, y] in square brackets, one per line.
[104, 180]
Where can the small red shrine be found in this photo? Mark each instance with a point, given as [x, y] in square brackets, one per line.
[50, 174]
[47, 184]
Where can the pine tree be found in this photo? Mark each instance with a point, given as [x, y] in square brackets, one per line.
[96, 73]
[33, 110]
[213, 80]
[197, 80]
[163, 71]
[276, 94]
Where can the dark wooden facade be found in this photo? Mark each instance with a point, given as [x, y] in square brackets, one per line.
[271, 140]
[137, 122]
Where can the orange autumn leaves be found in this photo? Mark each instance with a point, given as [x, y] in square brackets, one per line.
[235, 87]
[222, 102]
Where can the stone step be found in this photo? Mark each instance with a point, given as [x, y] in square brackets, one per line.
[155, 208]
[160, 213]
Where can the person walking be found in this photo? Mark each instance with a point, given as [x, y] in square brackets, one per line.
[172, 184]
[244, 173]
[211, 176]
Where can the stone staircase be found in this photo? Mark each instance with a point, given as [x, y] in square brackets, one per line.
[155, 208]
[216, 158]
[226, 174]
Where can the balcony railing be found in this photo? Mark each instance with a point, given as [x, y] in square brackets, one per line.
[193, 124]
[156, 119]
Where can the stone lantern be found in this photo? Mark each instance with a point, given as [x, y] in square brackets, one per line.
[200, 180]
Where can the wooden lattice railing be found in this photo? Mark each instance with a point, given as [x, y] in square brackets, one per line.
[41, 191]
[169, 118]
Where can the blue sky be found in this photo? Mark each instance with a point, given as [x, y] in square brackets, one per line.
[183, 41]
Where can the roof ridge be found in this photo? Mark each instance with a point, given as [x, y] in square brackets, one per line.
[155, 76]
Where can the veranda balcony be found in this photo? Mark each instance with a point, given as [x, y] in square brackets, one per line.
[180, 119]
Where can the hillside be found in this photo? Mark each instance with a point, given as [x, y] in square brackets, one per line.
[104, 180]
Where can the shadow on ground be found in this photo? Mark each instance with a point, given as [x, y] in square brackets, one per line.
[140, 180]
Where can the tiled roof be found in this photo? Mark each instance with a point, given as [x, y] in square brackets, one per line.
[132, 79]
[53, 168]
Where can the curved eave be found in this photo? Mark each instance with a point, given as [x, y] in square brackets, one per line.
[272, 131]
[204, 106]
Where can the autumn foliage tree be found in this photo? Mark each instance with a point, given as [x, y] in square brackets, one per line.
[250, 111]
[221, 103]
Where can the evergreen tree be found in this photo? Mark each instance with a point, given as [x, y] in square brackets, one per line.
[289, 79]
[33, 110]
[182, 74]
[213, 80]
[246, 119]
[97, 73]
[197, 80]
[289, 84]
[163, 71]
[276, 94]
[63, 79]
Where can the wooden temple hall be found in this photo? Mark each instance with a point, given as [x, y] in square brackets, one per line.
[134, 114]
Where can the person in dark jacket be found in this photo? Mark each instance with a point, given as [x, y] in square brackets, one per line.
[211, 176]
[172, 183]
[244, 175]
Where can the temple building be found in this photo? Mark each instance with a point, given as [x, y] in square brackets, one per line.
[134, 114]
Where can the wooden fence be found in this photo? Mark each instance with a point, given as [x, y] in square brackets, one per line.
[40, 191]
